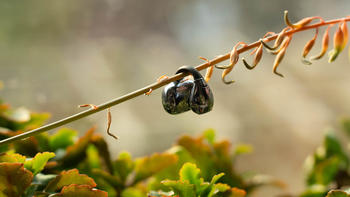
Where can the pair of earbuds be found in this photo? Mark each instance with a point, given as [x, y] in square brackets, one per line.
[182, 95]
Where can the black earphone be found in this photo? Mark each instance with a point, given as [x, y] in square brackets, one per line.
[182, 95]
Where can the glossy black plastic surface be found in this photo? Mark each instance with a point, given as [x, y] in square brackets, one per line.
[181, 96]
[176, 95]
[201, 99]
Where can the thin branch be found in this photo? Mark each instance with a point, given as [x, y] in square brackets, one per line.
[157, 85]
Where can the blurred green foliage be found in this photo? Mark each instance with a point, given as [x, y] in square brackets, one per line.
[64, 165]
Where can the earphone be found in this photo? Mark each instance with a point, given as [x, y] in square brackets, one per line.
[182, 95]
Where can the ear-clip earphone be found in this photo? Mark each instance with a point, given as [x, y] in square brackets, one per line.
[182, 95]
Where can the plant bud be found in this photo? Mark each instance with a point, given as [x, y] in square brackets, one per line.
[338, 42]
[309, 45]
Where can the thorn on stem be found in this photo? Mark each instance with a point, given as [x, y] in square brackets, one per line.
[149, 92]
[88, 105]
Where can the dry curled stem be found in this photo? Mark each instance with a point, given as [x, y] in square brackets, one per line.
[278, 40]
[234, 56]
[303, 22]
[280, 55]
[300, 26]
[109, 122]
[257, 58]
[325, 43]
[209, 71]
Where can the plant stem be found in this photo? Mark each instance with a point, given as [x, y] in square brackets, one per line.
[154, 86]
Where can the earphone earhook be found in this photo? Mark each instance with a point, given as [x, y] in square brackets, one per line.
[188, 69]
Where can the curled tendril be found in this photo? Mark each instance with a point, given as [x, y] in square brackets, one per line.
[302, 22]
[109, 122]
[325, 43]
[161, 78]
[149, 92]
[280, 56]
[285, 42]
[109, 118]
[234, 56]
[257, 58]
[278, 41]
[307, 48]
[209, 71]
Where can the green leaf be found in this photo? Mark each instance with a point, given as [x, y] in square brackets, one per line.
[67, 178]
[171, 172]
[160, 194]
[211, 188]
[102, 147]
[62, 139]
[14, 179]
[133, 192]
[77, 152]
[38, 163]
[333, 147]
[220, 187]
[12, 158]
[123, 166]
[148, 166]
[209, 135]
[345, 122]
[243, 149]
[337, 193]
[93, 158]
[75, 190]
[181, 188]
[189, 172]
[315, 191]
[216, 178]
[212, 159]
[112, 180]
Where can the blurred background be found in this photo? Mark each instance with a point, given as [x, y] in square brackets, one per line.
[55, 55]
